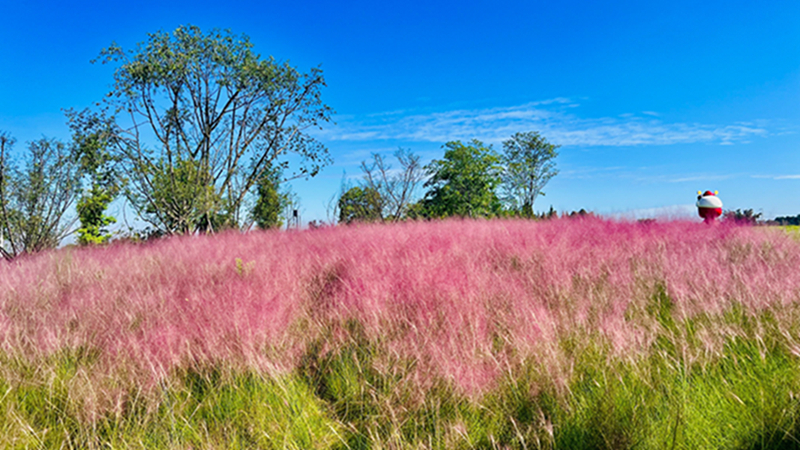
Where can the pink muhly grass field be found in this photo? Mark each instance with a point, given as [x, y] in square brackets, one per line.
[464, 301]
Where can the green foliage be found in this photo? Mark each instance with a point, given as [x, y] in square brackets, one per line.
[416, 210]
[271, 202]
[206, 103]
[360, 205]
[92, 137]
[181, 198]
[91, 207]
[267, 211]
[243, 269]
[529, 164]
[788, 220]
[463, 183]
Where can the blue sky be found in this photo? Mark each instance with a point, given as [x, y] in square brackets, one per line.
[650, 101]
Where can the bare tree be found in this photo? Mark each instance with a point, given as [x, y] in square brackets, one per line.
[35, 199]
[396, 188]
[6, 142]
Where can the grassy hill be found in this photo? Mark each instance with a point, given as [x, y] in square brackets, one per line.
[461, 334]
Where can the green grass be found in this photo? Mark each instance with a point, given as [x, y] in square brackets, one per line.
[205, 409]
[680, 394]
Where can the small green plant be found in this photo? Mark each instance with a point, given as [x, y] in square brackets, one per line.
[244, 269]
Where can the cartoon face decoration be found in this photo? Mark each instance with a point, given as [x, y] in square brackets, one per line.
[709, 206]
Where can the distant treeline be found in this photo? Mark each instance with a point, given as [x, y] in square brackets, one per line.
[788, 220]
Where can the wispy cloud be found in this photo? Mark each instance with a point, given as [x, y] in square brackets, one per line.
[558, 119]
[592, 172]
[779, 177]
[701, 178]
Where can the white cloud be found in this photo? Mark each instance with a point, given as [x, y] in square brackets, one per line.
[701, 178]
[778, 177]
[555, 118]
[591, 172]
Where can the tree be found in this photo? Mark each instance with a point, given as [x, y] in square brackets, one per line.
[91, 140]
[395, 188]
[268, 211]
[6, 143]
[208, 117]
[34, 199]
[529, 164]
[91, 209]
[359, 204]
[788, 220]
[183, 198]
[463, 183]
[744, 217]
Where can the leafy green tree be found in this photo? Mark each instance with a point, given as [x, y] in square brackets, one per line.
[91, 140]
[268, 211]
[183, 199]
[91, 209]
[34, 199]
[207, 103]
[416, 210]
[529, 162]
[359, 204]
[788, 220]
[463, 183]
